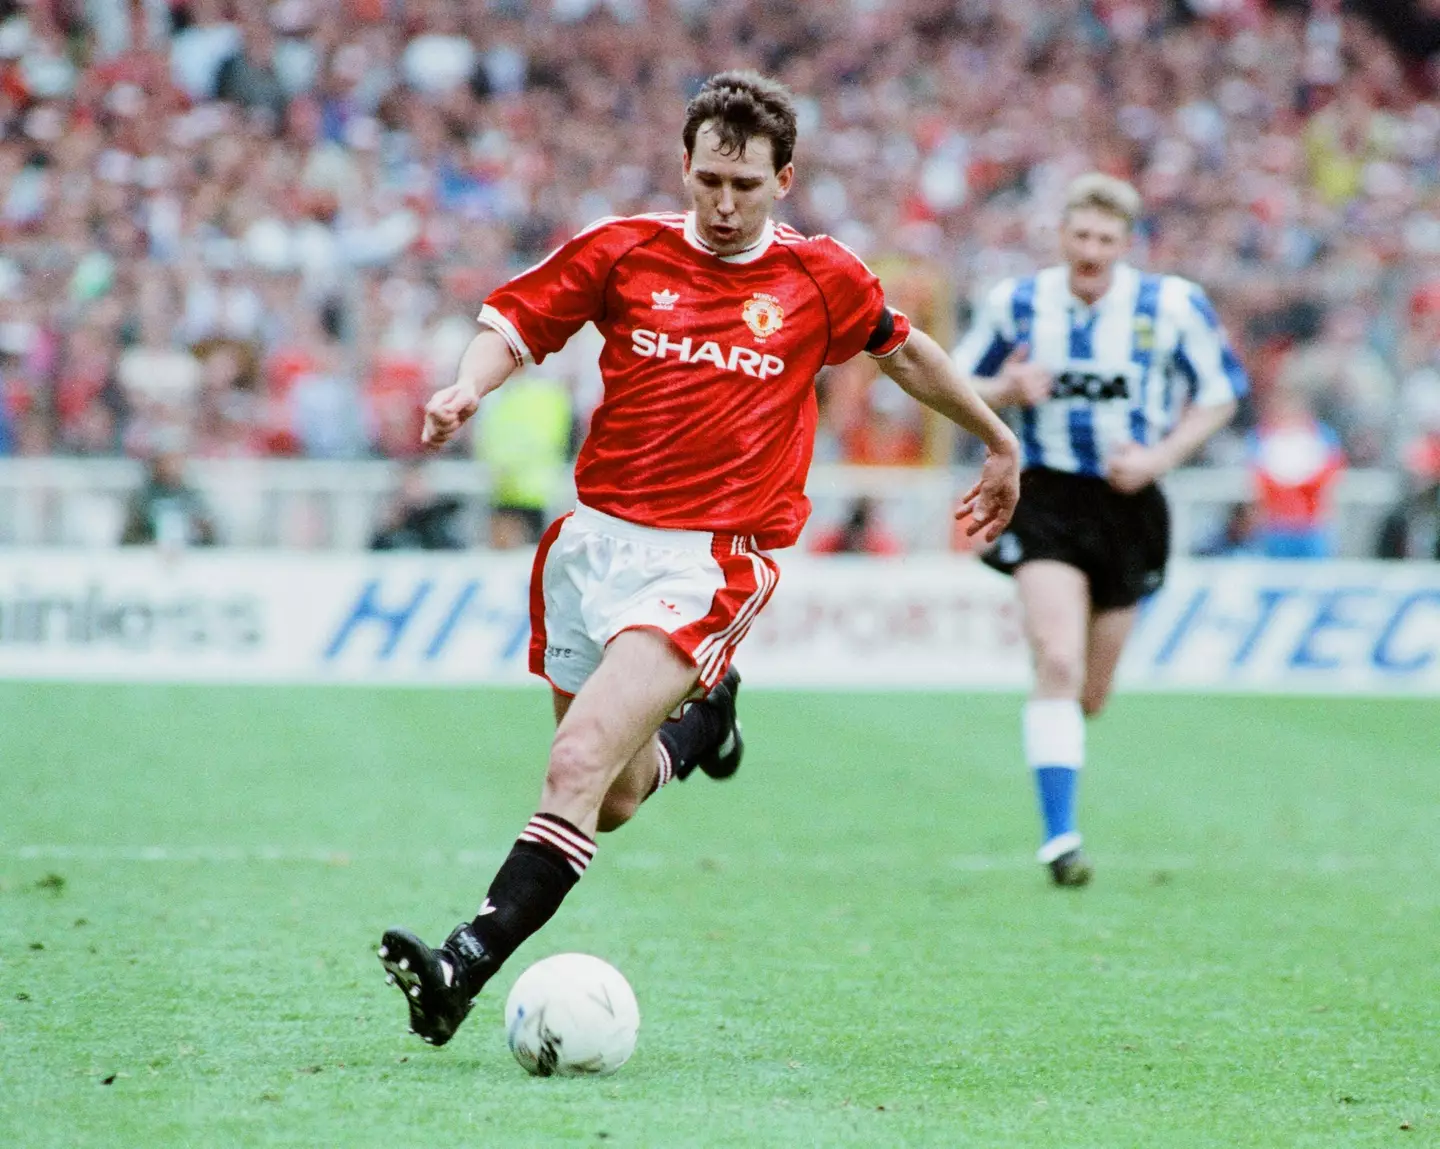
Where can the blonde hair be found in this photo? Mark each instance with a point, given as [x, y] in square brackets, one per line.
[1103, 193]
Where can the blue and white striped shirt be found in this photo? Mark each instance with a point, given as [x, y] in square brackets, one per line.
[1124, 368]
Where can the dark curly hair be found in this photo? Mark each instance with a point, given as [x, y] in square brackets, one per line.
[740, 105]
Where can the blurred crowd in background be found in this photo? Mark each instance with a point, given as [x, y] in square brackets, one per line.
[263, 229]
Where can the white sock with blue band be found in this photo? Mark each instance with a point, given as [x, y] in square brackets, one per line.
[1054, 740]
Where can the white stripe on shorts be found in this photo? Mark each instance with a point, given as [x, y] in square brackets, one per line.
[711, 652]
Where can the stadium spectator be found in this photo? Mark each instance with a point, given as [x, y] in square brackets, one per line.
[7, 431]
[248, 77]
[90, 404]
[1418, 413]
[417, 519]
[1347, 384]
[156, 370]
[1411, 529]
[166, 511]
[1296, 462]
[1422, 454]
[1236, 535]
[525, 437]
[204, 41]
[327, 409]
[861, 533]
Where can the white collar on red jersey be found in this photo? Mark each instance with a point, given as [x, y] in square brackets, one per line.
[749, 255]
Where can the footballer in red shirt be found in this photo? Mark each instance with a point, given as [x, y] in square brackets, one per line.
[715, 324]
[709, 363]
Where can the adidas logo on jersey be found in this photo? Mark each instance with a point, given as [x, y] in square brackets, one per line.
[664, 300]
[748, 361]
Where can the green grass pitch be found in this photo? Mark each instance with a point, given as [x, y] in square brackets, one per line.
[848, 944]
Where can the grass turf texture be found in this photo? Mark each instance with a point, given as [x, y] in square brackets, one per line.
[846, 945]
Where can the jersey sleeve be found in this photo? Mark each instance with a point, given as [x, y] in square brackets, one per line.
[541, 308]
[855, 303]
[1203, 354]
[991, 336]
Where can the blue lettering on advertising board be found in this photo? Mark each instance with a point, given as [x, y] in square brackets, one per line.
[432, 619]
[1312, 631]
[1249, 627]
[368, 609]
[1385, 656]
[1331, 616]
[470, 605]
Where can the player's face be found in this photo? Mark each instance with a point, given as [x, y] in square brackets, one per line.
[733, 195]
[1091, 241]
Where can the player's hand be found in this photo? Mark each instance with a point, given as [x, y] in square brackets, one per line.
[990, 502]
[1028, 384]
[1133, 467]
[446, 413]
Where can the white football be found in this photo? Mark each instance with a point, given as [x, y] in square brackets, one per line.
[571, 1015]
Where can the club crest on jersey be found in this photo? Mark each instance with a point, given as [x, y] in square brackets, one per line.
[1144, 333]
[763, 315]
[664, 300]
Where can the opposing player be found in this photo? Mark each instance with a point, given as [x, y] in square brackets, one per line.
[1115, 376]
[715, 324]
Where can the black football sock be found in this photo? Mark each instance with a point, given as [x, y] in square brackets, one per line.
[696, 732]
[544, 865]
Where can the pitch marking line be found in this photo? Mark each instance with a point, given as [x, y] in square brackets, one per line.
[651, 860]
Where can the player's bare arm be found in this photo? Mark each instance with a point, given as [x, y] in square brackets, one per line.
[1018, 383]
[486, 364]
[924, 371]
[1133, 467]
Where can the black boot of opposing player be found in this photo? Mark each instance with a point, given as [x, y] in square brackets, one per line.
[1071, 868]
[708, 734]
[439, 984]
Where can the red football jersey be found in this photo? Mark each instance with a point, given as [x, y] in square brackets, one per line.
[708, 417]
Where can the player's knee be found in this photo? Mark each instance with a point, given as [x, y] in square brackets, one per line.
[577, 768]
[1058, 671]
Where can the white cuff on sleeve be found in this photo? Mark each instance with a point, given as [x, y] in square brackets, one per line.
[492, 318]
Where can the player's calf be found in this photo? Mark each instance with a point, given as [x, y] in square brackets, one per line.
[619, 806]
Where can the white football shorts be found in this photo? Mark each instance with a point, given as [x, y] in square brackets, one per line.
[596, 575]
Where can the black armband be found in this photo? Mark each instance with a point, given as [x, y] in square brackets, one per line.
[883, 330]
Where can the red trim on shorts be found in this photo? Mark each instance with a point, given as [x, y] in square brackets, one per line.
[537, 597]
[710, 642]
